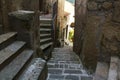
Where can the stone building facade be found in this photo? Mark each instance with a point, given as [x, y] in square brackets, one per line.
[26, 25]
[97, 30]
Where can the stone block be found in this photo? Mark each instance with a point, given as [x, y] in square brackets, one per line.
[72, 77]
[92, 5]
[55, 71]
[69, 71]
[86, 78]
[116, 12]
[54, 76]
[107, 5]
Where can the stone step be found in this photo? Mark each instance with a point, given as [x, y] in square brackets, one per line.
[65, 65]
[45, 21]
[11, 71]
[68, 77]
[68, 74]
[43, 47]
[10, 52]
[86, 78]
[6, 39]
[45, 25]
[45, 36]
[113, 70]
[45, 30]
[46, 40]
[101, 71]
[62, 50]
[37, 70]
[63, 61]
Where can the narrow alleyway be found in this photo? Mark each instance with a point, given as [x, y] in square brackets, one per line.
[66, 65]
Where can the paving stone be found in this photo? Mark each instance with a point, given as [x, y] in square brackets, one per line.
[86, 78]
[56, 76]
[65, 65]
[55, 71]
[73, 71]
[72, 77]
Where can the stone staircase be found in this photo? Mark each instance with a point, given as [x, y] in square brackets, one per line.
[66, 65]
[108, 71]
[45, 35]
[17, 62]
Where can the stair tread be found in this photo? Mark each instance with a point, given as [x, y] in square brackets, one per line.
[45, 19]
[45, 45]
[46, 39]
[44, 29]
[45, 24]
[6, 36]
[34, 70]
[10, 71]
[42, 35]
[10, 50]
[113, 70]
[101, 71]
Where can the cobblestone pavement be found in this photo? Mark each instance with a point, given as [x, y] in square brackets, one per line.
[66, 65]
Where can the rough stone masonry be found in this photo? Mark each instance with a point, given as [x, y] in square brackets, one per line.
[100, 35]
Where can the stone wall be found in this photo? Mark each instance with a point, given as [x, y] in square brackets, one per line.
[7, 6]
[1, 27]
[14, 5]
[100, 33]
[46, 5]
[26, 23]
[60, 17]
[0, 14]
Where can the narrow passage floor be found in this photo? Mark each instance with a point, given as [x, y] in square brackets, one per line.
[66, 65]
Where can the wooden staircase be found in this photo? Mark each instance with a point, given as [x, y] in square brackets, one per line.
[46, 41]
[16, 60]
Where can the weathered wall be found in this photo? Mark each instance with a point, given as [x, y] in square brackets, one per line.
[60, 16]
[0, 13]
[14, 5]
[27, 25]
[7, 6]
[4, 14]
[99, 36]
[1, 27]
[46, 5]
